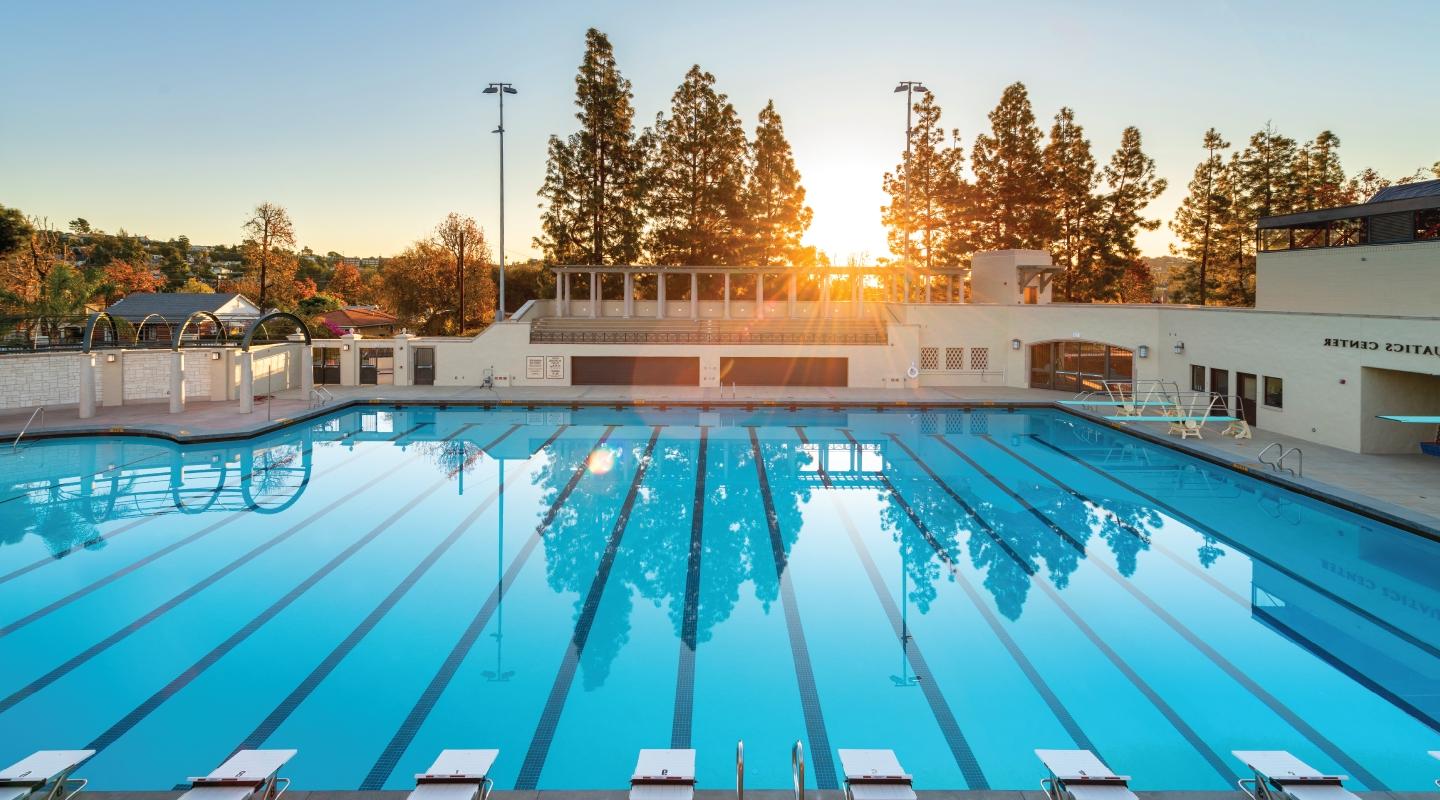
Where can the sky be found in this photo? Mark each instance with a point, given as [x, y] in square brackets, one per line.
[366, 119]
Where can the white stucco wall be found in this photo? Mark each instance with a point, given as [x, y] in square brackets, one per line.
[46, 379]
[1401, 279]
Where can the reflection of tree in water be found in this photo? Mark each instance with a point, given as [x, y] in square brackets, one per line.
[1209, 551]
[451, 456]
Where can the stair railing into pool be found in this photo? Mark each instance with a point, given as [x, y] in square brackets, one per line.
[797, 769]
[40, 412]
[1279, 463]
[740, 770]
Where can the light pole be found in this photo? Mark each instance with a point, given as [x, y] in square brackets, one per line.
[910, 88]
[501, 89]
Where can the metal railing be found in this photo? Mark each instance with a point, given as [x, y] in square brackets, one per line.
[797, 769]
[40, 412]
[541, 335]
[1279, 463]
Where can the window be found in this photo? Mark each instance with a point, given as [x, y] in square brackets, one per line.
[929, 358]
[979, 358]
[1311, 235]
[1427, 223]
[1347, 232]
[954, 358]
[1274, 239]
[1274, 392]
[1197, 378]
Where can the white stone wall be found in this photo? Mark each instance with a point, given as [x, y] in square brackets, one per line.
[197, 376]
[147, 374]
[42, 379]
[273, 368]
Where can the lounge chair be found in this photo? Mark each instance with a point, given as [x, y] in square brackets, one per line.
[1081, 775]
[664, 775]
[43, 775]
[456, 775]
[247, 775]
[875, 775]
[1281, 776]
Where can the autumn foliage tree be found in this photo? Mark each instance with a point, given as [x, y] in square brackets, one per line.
[269, 264]
[462, 239]
[346, 283]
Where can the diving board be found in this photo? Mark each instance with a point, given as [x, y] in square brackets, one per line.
[1123, 418]
[1115, 403]
[1412, 420]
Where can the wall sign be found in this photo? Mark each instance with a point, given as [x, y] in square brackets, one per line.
[555, 367]
[534, 368]
[1405, 348]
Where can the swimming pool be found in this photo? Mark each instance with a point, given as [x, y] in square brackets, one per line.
[960, 585]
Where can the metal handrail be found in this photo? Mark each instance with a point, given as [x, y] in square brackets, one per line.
[39, 411]
[1299, 471]
[797, 769]
[1261, 455]
[740, 769]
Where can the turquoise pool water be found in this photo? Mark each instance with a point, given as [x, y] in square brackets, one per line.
[962, 586]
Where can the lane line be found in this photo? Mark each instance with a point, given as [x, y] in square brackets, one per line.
[822, 760]
[682, 723]
[820, 454]
[539, 750]
[400, 741]
[1014, 495]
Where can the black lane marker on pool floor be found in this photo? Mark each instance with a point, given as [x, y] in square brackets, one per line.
[534, 763]
[1249, 553]
[822, 759]
[1070, 490]
[1206, 752]
[104, 644]
[140, 712]
[819, 457]
[954, 737]
[327, 665]
[1042, 687]
[115, 468]
[681, 724]
[1235, 673]
[1014, 495]
[399, 742]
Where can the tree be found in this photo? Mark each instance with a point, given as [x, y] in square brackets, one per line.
[269, 232]
[1320, 180]
[1010, 186]
[15, 230]
[129, 277]
[697, 179]
[927, 194]
[594, 185]
[345, 283]
[774, 200]
[1195, 223]
[1070, 173]
[1364, 184]
[418, 287]
[196, 286]
[465, 243]
[1131, 185]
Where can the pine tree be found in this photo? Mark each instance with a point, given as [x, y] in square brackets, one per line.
[775, 212]
[1195, 223]
[1319, 177]
[697, 178]
[1010, 186]
[594, 179]
[1130, 186]
[928, 194]
[1234, 246]
[1070, 172]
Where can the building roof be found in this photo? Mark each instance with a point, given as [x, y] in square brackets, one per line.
[176, 306]
[359, 317]
[1408, 190]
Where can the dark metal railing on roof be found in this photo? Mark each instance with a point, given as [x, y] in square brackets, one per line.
[540, 334]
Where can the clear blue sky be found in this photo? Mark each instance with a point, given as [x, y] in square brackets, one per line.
[366, 120]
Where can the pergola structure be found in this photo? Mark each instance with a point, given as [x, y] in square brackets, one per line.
[896, 285]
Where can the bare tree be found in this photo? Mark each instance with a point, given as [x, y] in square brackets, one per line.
[269, 228]
[463, 239]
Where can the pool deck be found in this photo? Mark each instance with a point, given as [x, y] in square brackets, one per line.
[1404, 488]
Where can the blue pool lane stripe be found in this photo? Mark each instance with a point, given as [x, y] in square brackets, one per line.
[1208, 753]
[535, 757]
[400, 741]
[104, 644]
[682, 723]
[140, 712]
[1235, 673]
[820, 754]
[327, 665]
[955, 739]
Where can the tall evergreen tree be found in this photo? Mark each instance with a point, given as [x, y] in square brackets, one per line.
[1234, 240]
[1010, 186]
[1131, 185]
[1195, 224]
[775, 212]
[697, 178]
[1070, 172]
[1319, 177]
[928, 194]
[594, 185]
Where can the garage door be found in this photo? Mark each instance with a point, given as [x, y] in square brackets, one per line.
[766, 371]
[634, 371]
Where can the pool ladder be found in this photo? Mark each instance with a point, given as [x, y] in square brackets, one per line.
[38, 412]
[797, 769]
[1279, 463]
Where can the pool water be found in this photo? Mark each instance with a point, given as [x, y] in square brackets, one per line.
[569, 586]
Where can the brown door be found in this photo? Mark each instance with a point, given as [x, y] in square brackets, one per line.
[1220, 384]
[634, 371]
[772, 371]
[1246, 386]
[424, 366]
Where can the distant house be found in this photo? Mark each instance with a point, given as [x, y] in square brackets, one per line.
[158, 313]
[364, 320]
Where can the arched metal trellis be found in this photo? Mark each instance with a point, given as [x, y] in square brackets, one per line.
[92, 322]
[140, 329]
[255, 326]
[179, 334]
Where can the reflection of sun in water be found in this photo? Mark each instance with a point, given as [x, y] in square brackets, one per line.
[601, 461]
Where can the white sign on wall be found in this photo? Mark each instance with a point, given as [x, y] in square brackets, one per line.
[555, 367]
[534, 367]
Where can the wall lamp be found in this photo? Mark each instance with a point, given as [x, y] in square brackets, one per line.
[345, 348]
[110, 358]
[1014, 344]
[1143, 351]
[214, 356]
[1179, 348]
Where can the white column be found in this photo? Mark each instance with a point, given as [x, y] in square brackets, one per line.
[825, 294]
[247, 382]
[759, 295]
[628, 293]
[727, 295]
[594, 296]
[177, 382]
[860, 295]
[559, 295]
[906, 298]
[87, 386]
[660, 295]
[929, 283]
[790, 295]
[694, 296]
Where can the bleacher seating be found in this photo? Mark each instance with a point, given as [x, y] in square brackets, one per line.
[584, 330]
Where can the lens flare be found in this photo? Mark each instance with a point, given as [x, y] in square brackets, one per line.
[601, 461]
